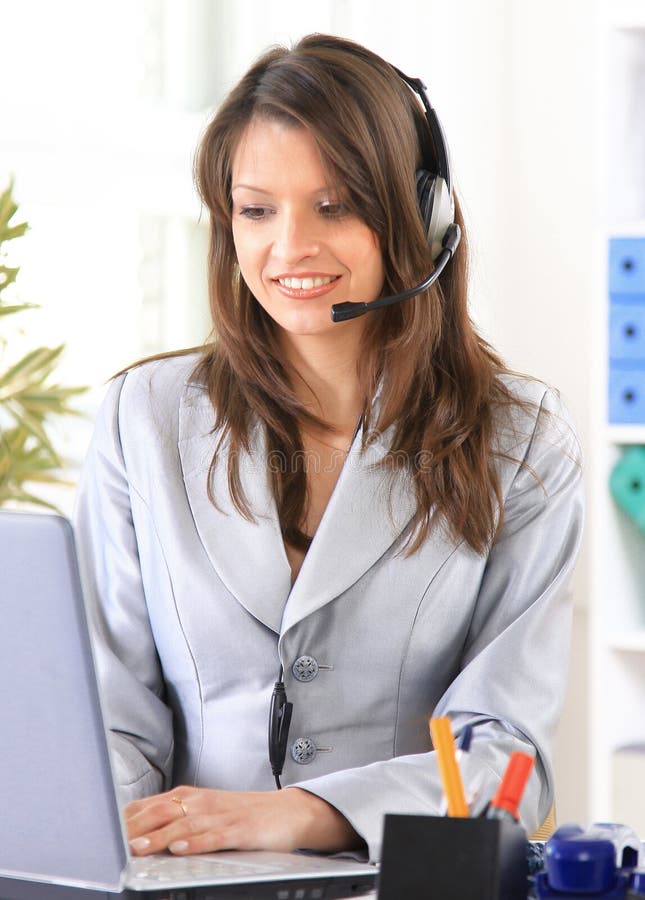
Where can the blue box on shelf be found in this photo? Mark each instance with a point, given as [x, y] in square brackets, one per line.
[627, 395]
[627, 265]
[627, 331]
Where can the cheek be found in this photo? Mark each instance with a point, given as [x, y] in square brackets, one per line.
[370, 258]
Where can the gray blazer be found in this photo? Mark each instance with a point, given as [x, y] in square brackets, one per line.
[193, 612]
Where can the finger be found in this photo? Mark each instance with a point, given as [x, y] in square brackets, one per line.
[155, 815]
[183, 830]
[234, 832]
[224, 836]
[183, 792]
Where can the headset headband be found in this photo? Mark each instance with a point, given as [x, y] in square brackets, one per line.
[439, 144]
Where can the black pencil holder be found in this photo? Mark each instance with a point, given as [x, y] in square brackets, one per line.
[442, 858]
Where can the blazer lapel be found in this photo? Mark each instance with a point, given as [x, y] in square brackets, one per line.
[249, 557]
[367, 512]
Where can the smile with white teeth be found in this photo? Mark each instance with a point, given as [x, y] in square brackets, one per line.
[306, 284]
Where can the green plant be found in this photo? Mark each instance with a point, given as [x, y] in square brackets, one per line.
[28, 397]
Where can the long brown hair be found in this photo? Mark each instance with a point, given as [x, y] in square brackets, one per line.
[438, 379]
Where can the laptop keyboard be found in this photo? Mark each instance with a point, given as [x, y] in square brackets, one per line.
[196, 868]
[302, 872]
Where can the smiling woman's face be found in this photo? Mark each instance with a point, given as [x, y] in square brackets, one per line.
[298, 249]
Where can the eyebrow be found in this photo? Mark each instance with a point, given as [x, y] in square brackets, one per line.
[252, 187]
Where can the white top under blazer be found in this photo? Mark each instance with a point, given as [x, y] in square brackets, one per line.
[193, 611]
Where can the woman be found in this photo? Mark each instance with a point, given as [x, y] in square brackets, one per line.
[375, 511]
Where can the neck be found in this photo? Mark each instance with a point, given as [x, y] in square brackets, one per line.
[325, 379]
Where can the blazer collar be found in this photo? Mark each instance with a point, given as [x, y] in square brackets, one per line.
[366, 514]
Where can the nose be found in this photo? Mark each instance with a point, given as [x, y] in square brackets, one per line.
[297, 237]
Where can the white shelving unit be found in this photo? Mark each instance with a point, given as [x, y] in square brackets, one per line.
[617, 657]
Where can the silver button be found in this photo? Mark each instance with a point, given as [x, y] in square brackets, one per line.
[305, 668]
[303, 750]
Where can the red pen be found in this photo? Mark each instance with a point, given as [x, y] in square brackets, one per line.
[506, 801]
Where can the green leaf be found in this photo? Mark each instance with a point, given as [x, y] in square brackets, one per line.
[17, 307]
[42, 405]
[8, 208]
[23, 462]
[8, 275]
[43, 399]
[8, 234]
[18, 495]
[45, 476]
[33, 425]
[36, 361]
[7, 205]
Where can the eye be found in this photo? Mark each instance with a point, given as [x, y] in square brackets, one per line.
[330, 209]
[254, 213]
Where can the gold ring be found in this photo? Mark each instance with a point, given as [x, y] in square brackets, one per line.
[179, 803]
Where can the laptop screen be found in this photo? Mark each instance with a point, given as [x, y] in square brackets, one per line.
[60, 817]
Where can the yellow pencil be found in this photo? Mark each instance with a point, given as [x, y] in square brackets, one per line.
[453, 788]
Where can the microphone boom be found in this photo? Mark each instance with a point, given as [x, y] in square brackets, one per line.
[341, 312]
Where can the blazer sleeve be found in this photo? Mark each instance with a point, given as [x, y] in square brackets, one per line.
[129, 673]
[513, 670]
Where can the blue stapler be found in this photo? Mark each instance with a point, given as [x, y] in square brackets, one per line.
[599, 862]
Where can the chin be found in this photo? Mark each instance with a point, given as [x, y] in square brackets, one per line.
[307, 324]
[308, 332]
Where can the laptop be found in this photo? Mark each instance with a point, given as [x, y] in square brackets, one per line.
[61, 833]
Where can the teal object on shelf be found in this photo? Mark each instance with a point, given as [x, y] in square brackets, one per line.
[627, 484]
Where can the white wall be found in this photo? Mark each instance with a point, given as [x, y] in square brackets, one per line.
[544, 266]
[102, 112]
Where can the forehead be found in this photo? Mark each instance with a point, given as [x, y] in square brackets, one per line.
[278, 152]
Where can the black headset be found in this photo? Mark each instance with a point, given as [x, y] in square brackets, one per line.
[436, 205]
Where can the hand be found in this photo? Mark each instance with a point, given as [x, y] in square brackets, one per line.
[198, 820]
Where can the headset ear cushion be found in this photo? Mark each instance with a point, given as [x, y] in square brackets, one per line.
[426, 183]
